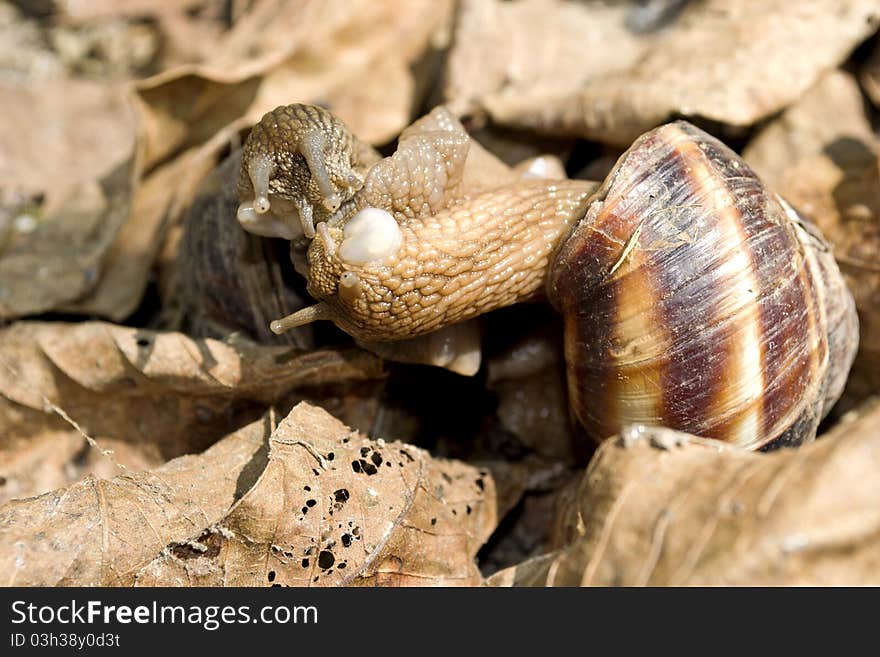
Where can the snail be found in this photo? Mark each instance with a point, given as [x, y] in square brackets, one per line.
[691, 296]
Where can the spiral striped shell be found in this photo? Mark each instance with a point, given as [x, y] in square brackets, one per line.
[695, 299]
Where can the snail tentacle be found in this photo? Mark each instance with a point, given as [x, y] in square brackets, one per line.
[306, 218]
[307, 315]
[312, 146]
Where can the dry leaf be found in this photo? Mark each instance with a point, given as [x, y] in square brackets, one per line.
[319, 504]
[529, 379]
[822, 155]
[181, 31]
[129, 258]
[88, 10]
[24, 54]
[101, 531]
[663, 508]
[36, 45]
[66, 188]
[65, 145]
[535, 47]
[142, 393]
[160, 199]
[351, 57]
[766, 53]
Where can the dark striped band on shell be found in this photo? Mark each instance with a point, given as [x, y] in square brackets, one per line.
[694, 298]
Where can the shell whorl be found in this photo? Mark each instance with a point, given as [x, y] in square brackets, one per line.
[695, 299]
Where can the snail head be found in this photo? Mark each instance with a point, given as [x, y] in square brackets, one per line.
[299, 167]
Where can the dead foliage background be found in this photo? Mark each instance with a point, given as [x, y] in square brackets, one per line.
[153, 432]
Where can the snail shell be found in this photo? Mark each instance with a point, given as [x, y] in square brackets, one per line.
[695, 299]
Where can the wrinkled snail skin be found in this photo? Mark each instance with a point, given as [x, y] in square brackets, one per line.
[490, 252]
[695, 299]
[692, 297]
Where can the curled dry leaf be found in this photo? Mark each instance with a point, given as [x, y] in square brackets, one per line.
[127, 263]
[334, 53]
[66, 184]
[767, 54]
[147, 395]
[314, 504]
[659, 507]
[86, 232]
[821, 154]
[101, 531]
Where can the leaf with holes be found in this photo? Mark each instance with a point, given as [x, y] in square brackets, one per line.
[333, 507]
[313, 504]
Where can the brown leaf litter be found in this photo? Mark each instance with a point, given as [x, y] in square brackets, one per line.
[147, 395]
[629, 84]
[821, 154]
[312, 504]
[658, 508]
[66, 189]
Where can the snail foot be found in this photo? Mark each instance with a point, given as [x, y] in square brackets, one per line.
[455, 348]
[267, 223]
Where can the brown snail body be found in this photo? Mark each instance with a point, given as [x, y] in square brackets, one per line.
[692, 297]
